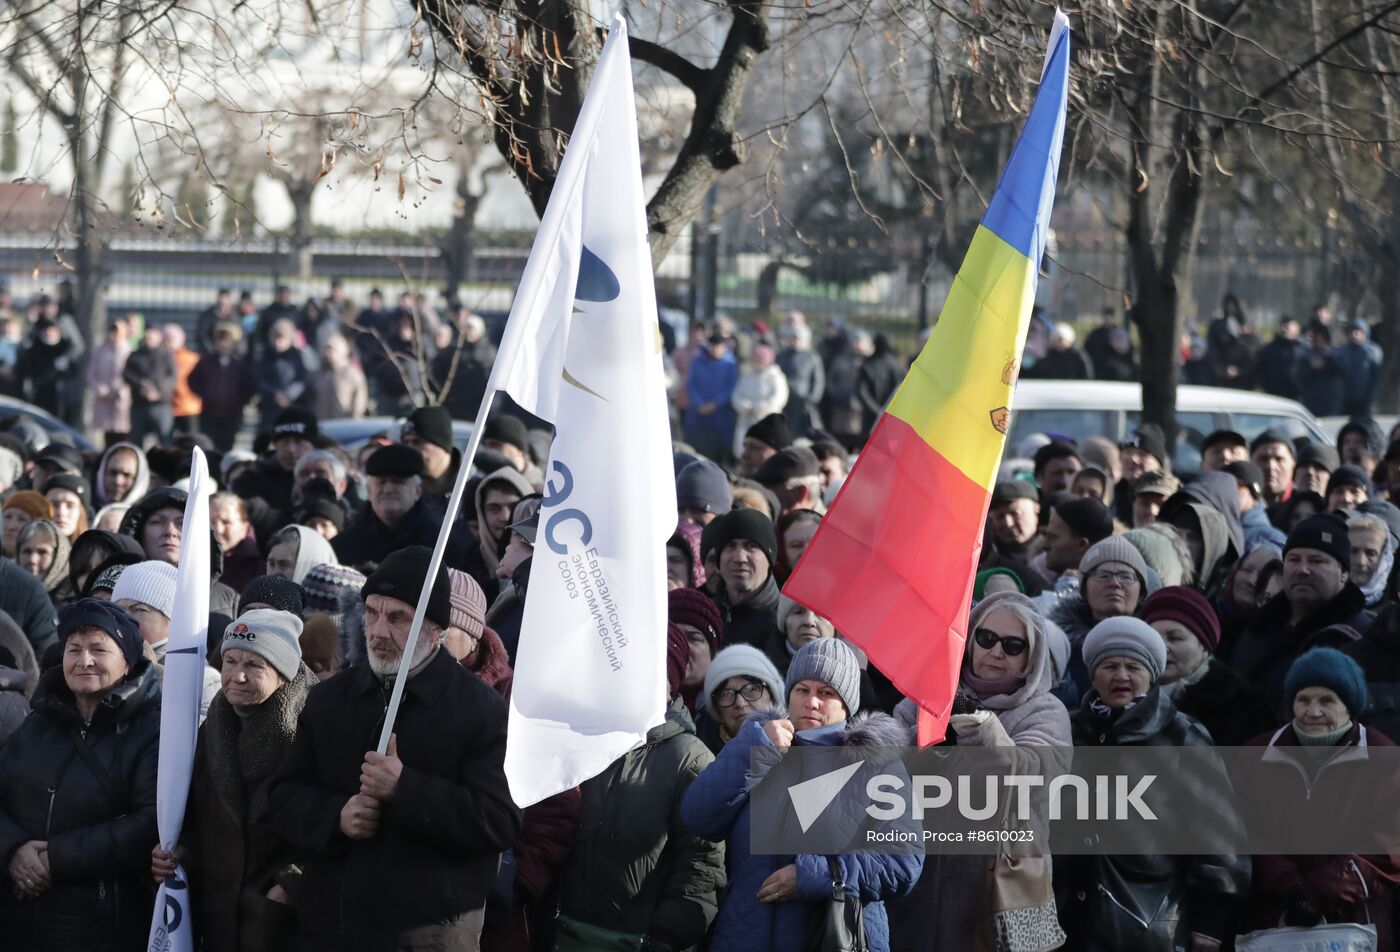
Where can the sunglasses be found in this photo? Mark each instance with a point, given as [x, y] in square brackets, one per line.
[1012, 645]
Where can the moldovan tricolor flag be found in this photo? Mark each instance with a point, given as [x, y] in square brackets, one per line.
[893, 563]
[582, 350]
[181, 691]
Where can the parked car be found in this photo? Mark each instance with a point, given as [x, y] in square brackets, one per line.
[1084, 408]
[12, 410]
[352, 433]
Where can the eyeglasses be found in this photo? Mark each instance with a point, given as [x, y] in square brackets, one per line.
[1012, 645]
[751, 692]
[1122, 578]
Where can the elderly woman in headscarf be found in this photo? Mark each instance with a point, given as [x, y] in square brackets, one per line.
[21, 509]
[77, 822]
[241, 871]
[1372, 556]
[294, 551]
[1007, 668]
[1149, 903]
[42, 551]
[1326, 766]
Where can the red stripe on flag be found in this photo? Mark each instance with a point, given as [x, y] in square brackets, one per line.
[893, 563]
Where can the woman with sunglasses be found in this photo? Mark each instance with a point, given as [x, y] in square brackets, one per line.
[740, 681]
[1007, 667]
[1145, 903]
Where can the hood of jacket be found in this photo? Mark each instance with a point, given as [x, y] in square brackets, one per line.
[57, 572]
[138, 488]
[677, 722]
[13, 638]
[517, 481]
[1074, 617]
[489, 661]
[135, 694]
[1219, 492]
[167, 497]
[1040, 667]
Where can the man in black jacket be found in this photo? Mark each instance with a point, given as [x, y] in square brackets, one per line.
[746, 546]
[273, 478]
[397, 515]
[401, 848]
[150, 372]
[1317, 593]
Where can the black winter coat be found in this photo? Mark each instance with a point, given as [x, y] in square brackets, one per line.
[436, 852]
[268, 481]
[753, 622]
[1378, 653]
[367, 539]
[23, 598]
[100, 829]
[235, 854]
[1276, 366]
[1226, 705]
[1145, 903]
[154, 366]
[1270, 645]
[225, 384]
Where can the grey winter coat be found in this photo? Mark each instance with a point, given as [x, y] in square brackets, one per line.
[17, 683]
[948, 903]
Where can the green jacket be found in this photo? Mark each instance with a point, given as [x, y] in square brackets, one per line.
[635, 868]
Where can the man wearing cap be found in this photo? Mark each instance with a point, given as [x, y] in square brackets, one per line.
[56, 459]
[746, 546]
[1317, 592]
[1055, 466]
[507, 435]
[396, 515]
[794, 476]
[1145, 449]
[762, 441]
[1015, 519]
[400, 849]
[1314, 467]
[702, 493]
[1222, 447]
[1253, 519]
[429, 431]
[1273, 453]
[272, 479]
[1073, 527]
[1151, 490]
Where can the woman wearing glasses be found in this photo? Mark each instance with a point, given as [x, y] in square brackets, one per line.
[1146, 903]
[1008, 669]
[740, 681]
[1112, 582]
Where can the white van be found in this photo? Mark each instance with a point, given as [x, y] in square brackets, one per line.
[1084, 408]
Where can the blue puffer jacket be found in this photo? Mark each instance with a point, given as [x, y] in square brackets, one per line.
[716, 807]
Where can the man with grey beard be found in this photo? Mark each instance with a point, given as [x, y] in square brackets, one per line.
[401, 849]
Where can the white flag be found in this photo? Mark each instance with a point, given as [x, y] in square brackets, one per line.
[181, 689]
[582, 350]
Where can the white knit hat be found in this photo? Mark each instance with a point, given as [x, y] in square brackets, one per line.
[745, 660]
[152, 583]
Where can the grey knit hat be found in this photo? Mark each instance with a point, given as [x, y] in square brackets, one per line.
[1114, 549]
[274, 635]
[829, 661]
[1125, 637]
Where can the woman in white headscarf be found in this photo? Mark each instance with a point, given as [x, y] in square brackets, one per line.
[295, 550]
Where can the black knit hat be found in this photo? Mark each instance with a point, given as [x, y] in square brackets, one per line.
[1009, 490]
[1320, 455]
[747, 524]
[295, 421]
[317, 506]
[430, 424]
[1344, 476]
[1057, 449]
[109, 617]
[772, 430]
[278, 591]
[503, 428]
[61, 456]
[1247, 475]
[1325, 532]
[74, 484]
[1087, 518]
[702, 485]
[401, 576]
[1150, 439]
[1269, 437]
[395, 460]
[795, 462]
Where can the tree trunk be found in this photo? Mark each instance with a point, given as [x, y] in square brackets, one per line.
[299, 262]
[459, 246]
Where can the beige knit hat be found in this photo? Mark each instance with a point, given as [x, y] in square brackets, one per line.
[468, 603]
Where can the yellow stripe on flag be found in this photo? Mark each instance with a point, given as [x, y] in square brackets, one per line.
[958, 393]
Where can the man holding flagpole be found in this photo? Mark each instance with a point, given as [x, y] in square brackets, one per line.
[401, 848]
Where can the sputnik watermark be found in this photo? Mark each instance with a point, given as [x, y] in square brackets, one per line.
[1112, 798]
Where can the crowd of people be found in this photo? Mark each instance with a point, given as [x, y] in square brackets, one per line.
[1116, 603]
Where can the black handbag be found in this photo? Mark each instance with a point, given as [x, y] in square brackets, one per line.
[839, 924]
